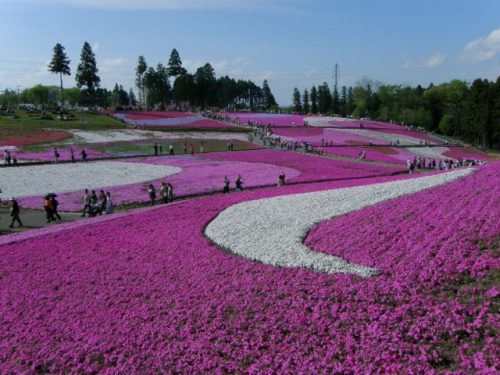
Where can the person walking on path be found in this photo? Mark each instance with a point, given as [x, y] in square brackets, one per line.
[239, 183]
[14, 213]
[152, 194]
[281, 179]
[164, 192]
[170, 192]
[101, 202]
[171, 150]
[156, 149]
[109, 203]
[72, 154]
[56, 154]
[55, 205]
[226, 185]
[184, 148]
[84, 155]
[86, 203]
[49, 212]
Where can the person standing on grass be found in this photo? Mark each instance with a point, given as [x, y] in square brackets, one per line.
[86, 203]
[226, 185]
[171, 150]
[156, 149]
[14, 213]
[152, 194]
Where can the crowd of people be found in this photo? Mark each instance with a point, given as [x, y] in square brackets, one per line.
[97, 205]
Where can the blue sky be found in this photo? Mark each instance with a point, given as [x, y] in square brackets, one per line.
[289, 42]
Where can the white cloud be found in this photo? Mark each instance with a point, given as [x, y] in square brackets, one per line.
[435, 60]
[114, 63]
[482, 49]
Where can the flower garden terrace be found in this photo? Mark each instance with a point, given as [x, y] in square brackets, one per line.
[191, 175]
[149, 292]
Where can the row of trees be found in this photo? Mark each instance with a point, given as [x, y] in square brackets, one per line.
[322, 100]
[201, 89]
[49, 97]
[470, 112]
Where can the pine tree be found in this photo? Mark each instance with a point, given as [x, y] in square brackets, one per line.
[314, 100]
[174, 66]
[60, 64]
[140, 70]
[86, 73]
[335, 100]
[305, 101]
[268, 97]
[296, 102]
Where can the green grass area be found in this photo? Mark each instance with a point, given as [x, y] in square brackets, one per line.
[26, 122]
[147, 147]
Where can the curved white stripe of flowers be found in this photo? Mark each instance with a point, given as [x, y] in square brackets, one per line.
[28, 181]
[271, 230]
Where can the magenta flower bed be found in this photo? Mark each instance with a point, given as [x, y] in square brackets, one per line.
[391, 154]
[266, 118]
[198, 176]
[465, 153]
[147, 293]
[434, 298]
[315, 135]
[156, 115]
[312, 167]
[168, 119]
[205, 173]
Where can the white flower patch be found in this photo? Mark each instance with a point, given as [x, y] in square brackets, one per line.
[324, 121]
[82, 136]
[25, 181]
[271, 230]
[430, 152]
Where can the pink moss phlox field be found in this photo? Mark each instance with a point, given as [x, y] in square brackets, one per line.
[265, 118]
[168, 119]
[311, 167]
[435, 249]
[204, 173]
[148, 293]
[314, 136]
[198, 176]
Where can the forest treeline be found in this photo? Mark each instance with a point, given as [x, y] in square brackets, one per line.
[470, 112]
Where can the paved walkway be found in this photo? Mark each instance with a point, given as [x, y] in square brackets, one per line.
[31, 219]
